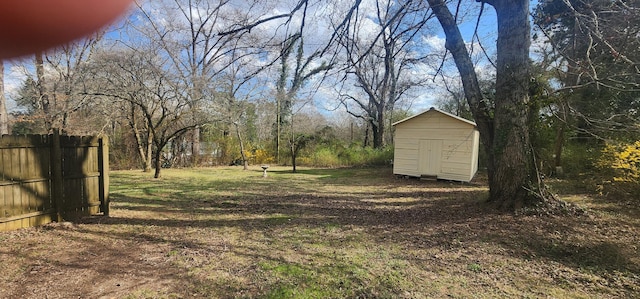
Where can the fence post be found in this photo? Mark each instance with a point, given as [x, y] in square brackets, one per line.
[56, 174]
[103, 166]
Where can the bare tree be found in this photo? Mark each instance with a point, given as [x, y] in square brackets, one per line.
[296, 65]
[380, 63]
[65, 84]
[4, 117]
[42, 96]
[291, 82]
[53, 94]
[186, 32]
[142, 134]
[237, 87]
[137, 77]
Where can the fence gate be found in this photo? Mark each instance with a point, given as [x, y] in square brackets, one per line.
[45, 178]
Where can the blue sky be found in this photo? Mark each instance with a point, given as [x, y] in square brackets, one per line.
[14, 72]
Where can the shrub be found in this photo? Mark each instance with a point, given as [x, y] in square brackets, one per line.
[578, 158]
[620, 165]
[624, 160]
[325, 157]
[336, 156]
[261, 156]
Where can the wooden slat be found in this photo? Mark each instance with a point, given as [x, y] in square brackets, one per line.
[103, 166]
[17, 200]
[22, 160]
[26, 216]
[56, 174]
[26, 222]
[29, 193]
[47, 196]
[42, 176]
[44, 171]
[6, 164]
[9, 209]
[3, 204]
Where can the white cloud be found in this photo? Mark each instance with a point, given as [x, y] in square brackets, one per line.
[435, 43]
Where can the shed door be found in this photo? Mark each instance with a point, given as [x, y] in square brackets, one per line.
[430, 156]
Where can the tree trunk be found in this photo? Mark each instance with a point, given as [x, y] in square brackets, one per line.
[4, 118]
[512, 155]
[278, 121]
[378, 129]
[145, 156]
[505, 135]
[559, 144]
[158, 162]
[375, 133]
[294, 148]
[245, 163]
[195, 147]
[365, 142]
[293, 155]
[149, 152]
[561, 123]
[42, 94]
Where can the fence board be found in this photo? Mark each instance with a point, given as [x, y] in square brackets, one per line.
[46, 178]
[103, 168]
[16, 205]
[21, 162]
[8, 164]
[3, 208]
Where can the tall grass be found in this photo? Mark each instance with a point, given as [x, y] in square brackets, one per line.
[339, 156]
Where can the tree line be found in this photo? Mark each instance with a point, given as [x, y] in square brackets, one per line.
[194, 82]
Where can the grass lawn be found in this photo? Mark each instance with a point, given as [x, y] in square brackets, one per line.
[339, 233]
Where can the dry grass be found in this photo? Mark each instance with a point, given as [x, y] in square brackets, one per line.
[347, 233]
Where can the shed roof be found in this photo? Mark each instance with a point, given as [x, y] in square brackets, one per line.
[433, 109]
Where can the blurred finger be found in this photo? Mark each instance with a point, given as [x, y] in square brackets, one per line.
[28, 26]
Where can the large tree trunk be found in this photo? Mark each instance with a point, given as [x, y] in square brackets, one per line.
[512, 154]
[506, 133]
[4, 118]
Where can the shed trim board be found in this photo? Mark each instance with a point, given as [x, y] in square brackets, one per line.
[438, 110]
[436, 144]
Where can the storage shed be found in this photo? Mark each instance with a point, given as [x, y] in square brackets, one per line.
[436, 144]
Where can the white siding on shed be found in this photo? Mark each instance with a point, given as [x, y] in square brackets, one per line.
[435, 143]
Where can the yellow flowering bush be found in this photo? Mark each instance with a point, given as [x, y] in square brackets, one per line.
[624, 160]
[261, 156]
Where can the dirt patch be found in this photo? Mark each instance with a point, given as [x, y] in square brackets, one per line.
[224, 233]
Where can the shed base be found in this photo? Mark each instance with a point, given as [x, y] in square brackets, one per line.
[428, 177]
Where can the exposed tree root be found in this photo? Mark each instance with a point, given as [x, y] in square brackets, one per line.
[545, 203]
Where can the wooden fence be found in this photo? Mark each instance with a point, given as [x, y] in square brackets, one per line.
[45, 178]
